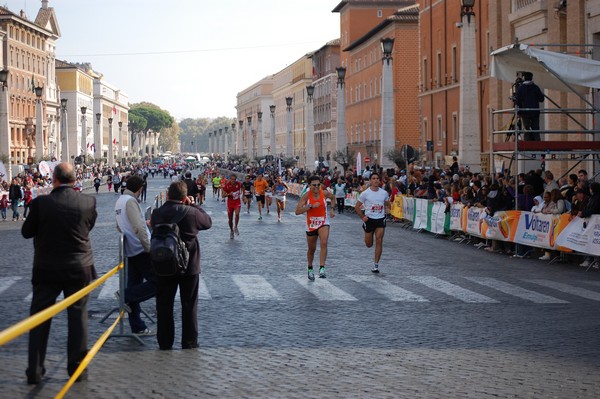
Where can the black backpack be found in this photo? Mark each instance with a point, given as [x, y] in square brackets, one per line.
[168, 254]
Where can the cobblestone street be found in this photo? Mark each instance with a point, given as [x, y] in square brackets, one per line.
[442, 319]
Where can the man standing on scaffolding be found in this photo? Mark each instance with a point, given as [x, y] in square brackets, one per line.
[529, 96]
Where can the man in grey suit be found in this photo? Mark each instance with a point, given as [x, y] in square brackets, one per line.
[60, 224]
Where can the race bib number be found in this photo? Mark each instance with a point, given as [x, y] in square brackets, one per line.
[378, 208]
[315, 222]
[235, 195]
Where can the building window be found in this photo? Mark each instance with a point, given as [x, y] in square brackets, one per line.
[425, 75]
[440, 130]
[454, 128]
[379, 13]
[438, 70]
[454, 65]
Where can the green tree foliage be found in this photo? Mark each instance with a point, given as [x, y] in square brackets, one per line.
[344, 158]
[169, 138]
[156, 118]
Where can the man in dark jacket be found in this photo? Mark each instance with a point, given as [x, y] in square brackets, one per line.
[195, 220]
[14, 195]
[529, 96]
[60, 224]
[192, 187]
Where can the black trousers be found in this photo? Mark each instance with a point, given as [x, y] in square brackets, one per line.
[47, 286]
[165, 301]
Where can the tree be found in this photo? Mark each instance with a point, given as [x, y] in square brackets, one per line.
[344, 158]
[136, 124]
[396, 155]
[169, 138]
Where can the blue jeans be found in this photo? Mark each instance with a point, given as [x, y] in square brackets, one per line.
[3, 212]
[141, 286]
[14, 205]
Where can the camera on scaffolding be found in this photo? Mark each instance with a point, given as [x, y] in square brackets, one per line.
[515, 86]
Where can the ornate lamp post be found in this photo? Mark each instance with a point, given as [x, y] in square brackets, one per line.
[241, 140]
[289, 145]
[341, 138]
[226, 143]
[259, 135]
[310, 129]
[64, 153]
[121, 156]
[233, 139]
[111, 153]
[469, 139]
[387, 138]
[4, 122]
[97, 144]
[272, 138]
[39, 127]
[83, 134]
[251, 143]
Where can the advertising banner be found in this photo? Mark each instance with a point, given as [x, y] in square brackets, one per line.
[582, 235]
[420, 221]
[439, 220]
[456, 212]
[397, 207]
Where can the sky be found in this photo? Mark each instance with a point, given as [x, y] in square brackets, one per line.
[189, 57]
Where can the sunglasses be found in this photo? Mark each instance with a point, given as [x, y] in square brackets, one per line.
[315, 185]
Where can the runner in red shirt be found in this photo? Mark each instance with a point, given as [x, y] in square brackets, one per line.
[232, 190]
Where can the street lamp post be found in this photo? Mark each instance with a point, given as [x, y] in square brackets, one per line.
[39, 127]
[310, 129]
[259, 135]
[251, 143]
[4, 122]
[387, 135]
[289, 145]
[111, 153]
[272, 138]
[233, 139]
[226, 144]
[469, 139]
[341, 138]
[83, 134]
[121, 141]
[64, 153]
[97, 138]
[241, 140]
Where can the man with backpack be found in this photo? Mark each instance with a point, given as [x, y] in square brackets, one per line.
[189, 220]
[141, 280]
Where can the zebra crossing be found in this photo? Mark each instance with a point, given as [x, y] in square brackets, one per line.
[349, 288]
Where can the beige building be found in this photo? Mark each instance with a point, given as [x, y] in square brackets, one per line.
[28, 54]
[253, 131]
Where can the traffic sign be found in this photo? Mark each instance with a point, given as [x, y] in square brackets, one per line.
[367, 159]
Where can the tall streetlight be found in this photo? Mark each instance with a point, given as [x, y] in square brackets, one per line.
[121, 141]
[251, 143]
[39, 127]
[387, 139]
[226, 144]
[241, 140]
[341, 142]
[310, 129]
[83, 134]
[272, 138]
[111, 140]
[221, 149]
[4, 122]
[64, 153]
[469, 139]
[97, 138]
[133, 143]
[259, 135]
[289, 145]
[233, 139]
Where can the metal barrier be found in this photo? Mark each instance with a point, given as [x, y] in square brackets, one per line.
[121, 308]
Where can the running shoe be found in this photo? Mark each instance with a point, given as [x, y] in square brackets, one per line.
[375, 269]
[322, 272]
[237, 232]
[260, 218]
[279, 219]
[231, 235]
[146, 332]
[311, 275]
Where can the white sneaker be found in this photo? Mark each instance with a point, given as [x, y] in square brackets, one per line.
[545, 257]
[585, 263]
[237, 232]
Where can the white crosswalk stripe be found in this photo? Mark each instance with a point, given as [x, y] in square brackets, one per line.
[452, 289]
[255, 287]
[7, 282]
[203, 293]
[386, 289]
[109, 288]
[569, 289]
[514, 290]
[323, 289]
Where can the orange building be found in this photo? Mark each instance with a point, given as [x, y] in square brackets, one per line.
[363, 24]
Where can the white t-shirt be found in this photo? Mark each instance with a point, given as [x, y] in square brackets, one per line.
[374, 202]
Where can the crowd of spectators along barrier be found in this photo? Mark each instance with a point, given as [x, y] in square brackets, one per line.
[562, 232]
